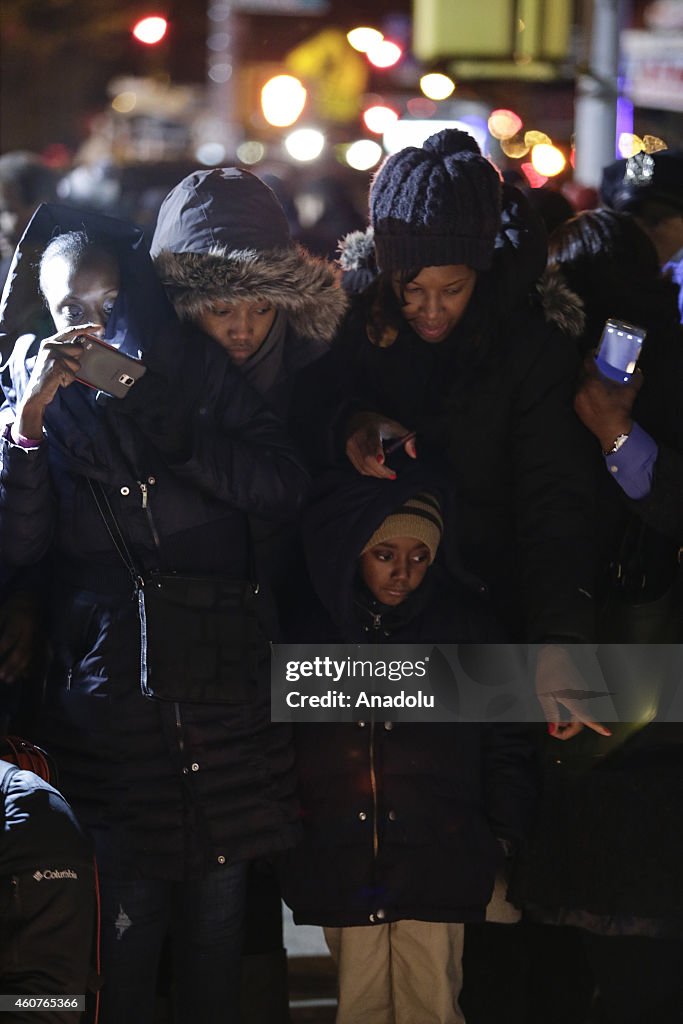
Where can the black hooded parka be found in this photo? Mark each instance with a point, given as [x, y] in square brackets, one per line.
[166, 789]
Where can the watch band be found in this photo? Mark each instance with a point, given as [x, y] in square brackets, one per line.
[616, 444]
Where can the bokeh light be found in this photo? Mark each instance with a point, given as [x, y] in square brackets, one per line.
[364, 154]
[250, 151]
[535, 138]
[548, 160]
[124, 102]
[420, 106]
[629, 144]
[503, 124]
[384, 54]
[363, 38]
[283, 98]
[150, 30]
[535, 179]
[210, 153]
[305, 144]
[653, 144]
[515, 147]
[377, 119]
[436, 86]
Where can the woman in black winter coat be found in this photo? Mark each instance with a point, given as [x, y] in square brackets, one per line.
[177, 796]
[606, 857]
[450, 344]
[400, 820]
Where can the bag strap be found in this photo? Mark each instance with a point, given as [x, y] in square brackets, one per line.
[115, 532]
[118, 539]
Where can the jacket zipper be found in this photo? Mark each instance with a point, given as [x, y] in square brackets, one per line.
[373, 786]
[376, 625]
[144, 491]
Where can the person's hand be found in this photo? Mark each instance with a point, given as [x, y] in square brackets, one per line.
[19, 630]
[560, 688]
[56, 367]
[603, 406]
[364, 448]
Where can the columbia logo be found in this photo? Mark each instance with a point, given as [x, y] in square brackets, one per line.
[52, 875]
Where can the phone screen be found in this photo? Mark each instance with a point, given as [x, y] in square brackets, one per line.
[619, 350]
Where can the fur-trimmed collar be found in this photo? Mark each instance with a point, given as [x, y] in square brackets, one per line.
[561, 306]
[302, 286]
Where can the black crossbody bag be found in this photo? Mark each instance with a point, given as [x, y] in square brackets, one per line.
[203, 639]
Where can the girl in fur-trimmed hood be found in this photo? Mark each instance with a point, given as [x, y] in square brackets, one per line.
[223, 250]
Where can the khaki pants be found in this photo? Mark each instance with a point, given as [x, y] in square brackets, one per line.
[407, 972]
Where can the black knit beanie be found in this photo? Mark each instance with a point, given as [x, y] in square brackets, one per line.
[436, 206]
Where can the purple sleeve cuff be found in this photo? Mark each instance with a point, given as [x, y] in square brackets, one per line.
[633, 465]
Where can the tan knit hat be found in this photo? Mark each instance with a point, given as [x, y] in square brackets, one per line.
[419, 517]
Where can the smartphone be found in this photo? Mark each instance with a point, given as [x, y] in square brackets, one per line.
[105, 368]
[619, 350]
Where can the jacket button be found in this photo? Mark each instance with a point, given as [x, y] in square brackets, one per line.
[125, 491]
[379, 914]
[388, 726]
[392, 815]
[361, 725]
[151, 479]
[362, 816]
[221, 859]
[195, 767]
[186, 771]
[372, 918]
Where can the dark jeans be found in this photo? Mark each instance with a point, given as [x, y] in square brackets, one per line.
[204, 918]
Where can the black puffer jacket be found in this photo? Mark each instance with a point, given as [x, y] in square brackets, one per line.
[165, 789]
[495, 400]
[400, 820]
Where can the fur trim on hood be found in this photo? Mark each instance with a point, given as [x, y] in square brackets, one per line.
[302, 286]
[561, 306]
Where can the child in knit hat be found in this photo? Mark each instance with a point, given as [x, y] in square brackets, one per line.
[401, 820]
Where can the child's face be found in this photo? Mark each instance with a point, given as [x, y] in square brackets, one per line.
[239, 327]
[80, 292]
[394, 569]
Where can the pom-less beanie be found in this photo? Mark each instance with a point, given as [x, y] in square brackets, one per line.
[436, 206]
[419, 517]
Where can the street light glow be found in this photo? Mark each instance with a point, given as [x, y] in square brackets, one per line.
[362, 39]
[282, 100]
[150, 30]
[436, 86]
[503, 124]
[364, 154]
[305, 144]
[548, 160]
[384, 54]
[377, 119]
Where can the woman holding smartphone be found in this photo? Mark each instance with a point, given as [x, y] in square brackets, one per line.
[178, 794]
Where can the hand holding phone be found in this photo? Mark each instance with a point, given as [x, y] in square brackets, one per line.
[106, 368]
[619, 350]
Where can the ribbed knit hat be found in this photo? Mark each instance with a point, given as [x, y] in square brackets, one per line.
[419, 517]
[436, 206]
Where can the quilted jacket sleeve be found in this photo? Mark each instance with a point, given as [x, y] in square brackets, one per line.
[27, 508]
